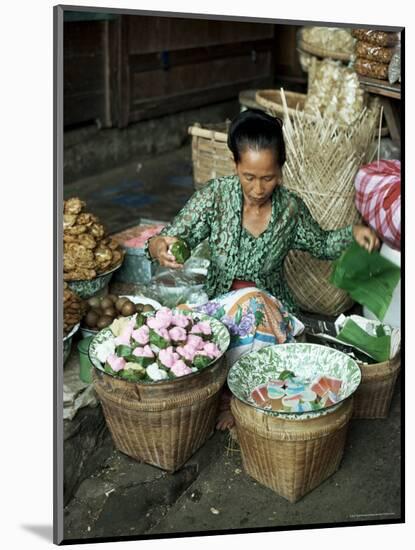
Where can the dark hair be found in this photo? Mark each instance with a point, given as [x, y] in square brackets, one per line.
[256, 130]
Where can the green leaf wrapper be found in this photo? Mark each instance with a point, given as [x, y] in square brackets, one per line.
[180, 251]
[123, 351]
[157, 340]
[201, 361]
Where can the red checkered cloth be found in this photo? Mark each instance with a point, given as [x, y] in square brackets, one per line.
[378, 199]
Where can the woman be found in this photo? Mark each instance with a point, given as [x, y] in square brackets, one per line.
[251, 223]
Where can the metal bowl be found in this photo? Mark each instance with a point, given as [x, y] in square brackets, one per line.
[86, 289]
[67, 343]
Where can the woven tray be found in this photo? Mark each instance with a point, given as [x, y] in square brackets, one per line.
[321, 52]
[272, 101]
[161, 424]
[374, 395]
[291, 457]
[211, 156]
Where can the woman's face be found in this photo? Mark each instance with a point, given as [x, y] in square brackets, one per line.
[259, 174]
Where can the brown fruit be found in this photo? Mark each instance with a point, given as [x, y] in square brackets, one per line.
[128, 309]
[111, 311]
[104, 321]
[112, 297]
[147, 307]
[91, 319]
[106, 302]
[94, 302]
[120, 302]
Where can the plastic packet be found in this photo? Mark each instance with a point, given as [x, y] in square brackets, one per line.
[394, 70]
[377, 38]
[368, 51]
[373, 69]
[172, 287]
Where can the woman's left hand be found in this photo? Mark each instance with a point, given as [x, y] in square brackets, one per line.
[366, 237]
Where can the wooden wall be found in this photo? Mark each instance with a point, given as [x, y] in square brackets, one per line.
[133, 68]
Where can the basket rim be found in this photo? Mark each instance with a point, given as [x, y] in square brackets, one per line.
[306, 47]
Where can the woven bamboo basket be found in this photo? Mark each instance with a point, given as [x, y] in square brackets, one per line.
[211, 156]
[322, 161]
[324, 52]
[162, 424]
[291, 457]
[271, 100]
[374, 394]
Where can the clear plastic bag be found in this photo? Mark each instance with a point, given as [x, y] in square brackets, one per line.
[394, 70]
[172, 287]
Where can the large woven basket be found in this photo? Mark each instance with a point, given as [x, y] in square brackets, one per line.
[374, 394]
[308, 279]
[322, 161]
[211, 156]
[291, 457]
[165, 423]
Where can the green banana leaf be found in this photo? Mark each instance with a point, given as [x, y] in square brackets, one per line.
[377, 347]
[369, 278]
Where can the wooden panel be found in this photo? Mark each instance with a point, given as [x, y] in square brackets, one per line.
[82, 39]
[153, 34]
[287, 64]
[159, 83]
[154, 61]
[190, 100]
[84, 72]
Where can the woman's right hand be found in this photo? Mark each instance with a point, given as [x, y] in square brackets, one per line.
[159, 250]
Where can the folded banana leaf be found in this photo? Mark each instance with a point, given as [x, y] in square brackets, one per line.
[369, 278]
[377, 346]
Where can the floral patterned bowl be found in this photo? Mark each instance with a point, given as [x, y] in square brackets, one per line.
[306, 360]
[67, 343]
[220, 336]
[86, 289]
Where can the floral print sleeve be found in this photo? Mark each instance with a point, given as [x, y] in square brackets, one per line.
[192, 223]
[310, 237]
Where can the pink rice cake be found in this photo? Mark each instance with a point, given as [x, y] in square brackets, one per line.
[328, 399]
[323, 384]
[260, 395]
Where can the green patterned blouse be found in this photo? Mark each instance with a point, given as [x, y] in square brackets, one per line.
[215, 213]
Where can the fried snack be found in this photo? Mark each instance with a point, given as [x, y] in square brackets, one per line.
[88, 252]
[76, 230]
[113, 244]
[73, 206]
[117, 256]
[68, 263]
[103, 254]
[73, 309]
[82, 255]
[97, 230]
[86, 219]
[87, 241]
[69, 238]
[69, 220]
